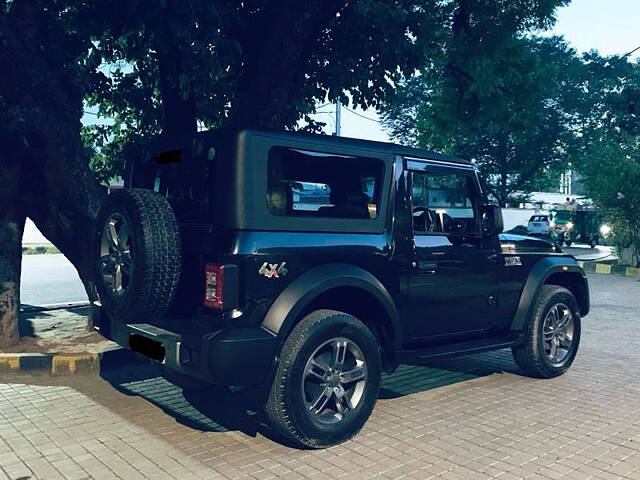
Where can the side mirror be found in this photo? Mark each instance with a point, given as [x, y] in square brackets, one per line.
[492, 223]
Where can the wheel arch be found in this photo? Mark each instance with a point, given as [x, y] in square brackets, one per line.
[561, 271]
[576, 284]
[342, 287]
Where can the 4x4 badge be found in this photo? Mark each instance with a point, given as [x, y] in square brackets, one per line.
[273, 270]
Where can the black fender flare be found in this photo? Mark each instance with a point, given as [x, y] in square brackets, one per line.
[286, 309]
[537, 278]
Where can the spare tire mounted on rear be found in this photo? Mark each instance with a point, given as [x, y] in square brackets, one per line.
[138, 255]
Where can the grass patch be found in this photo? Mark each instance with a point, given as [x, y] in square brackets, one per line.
[39, 250]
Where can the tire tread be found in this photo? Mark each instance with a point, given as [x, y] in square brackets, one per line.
[159, 260]
[529, 356]
[276, 408]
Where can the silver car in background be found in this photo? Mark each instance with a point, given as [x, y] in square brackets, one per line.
[539, 225]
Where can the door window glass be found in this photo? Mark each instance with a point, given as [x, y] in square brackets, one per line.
[443, 203]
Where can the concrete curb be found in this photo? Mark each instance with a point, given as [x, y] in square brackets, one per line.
[607, 268]
[62, 364]
[53, 306]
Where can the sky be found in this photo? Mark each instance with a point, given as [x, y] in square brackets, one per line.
[609, 26]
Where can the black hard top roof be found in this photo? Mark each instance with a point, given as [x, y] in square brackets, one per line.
[387, 147]
[163, 143]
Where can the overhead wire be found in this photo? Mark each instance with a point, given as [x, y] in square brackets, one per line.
[361, 115]
[631, 52]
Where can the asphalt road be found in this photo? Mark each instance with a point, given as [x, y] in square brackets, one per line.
[586, 253]
[51, 279]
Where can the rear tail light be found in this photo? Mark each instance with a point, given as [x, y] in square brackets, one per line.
[214, 286]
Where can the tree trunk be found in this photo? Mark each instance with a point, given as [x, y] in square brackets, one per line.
[179, 108]
[276, 61]
[67, 217]
[40, 138]
[11, 229]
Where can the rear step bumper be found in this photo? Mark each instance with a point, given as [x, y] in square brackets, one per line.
[231, 357]
[156, 343]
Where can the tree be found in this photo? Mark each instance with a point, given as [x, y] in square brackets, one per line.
[256, 63]
[490, 96]
[44, 166]
[512, 110]
[610, 145]
[171, 65]
[612, 177]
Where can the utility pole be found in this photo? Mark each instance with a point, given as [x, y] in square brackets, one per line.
[338, 105]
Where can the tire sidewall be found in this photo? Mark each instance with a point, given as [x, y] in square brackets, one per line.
[565, 297]
[340, 325]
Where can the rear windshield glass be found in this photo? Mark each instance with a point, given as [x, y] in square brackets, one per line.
[539, 218]
[316, 184]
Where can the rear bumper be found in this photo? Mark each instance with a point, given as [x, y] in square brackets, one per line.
[230, 357]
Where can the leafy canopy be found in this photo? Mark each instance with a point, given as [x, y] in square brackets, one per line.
[610, 154]
[167, 64]
[496, 94]
[512, 109]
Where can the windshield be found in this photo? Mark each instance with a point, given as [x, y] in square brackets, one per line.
[562, 216]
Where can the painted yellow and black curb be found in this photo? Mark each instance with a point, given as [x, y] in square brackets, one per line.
[59, 364]
[608, 268]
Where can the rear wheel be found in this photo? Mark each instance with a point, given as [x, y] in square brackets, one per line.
[327, 380]
[552, 336]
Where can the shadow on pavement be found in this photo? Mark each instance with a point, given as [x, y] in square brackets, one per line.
[439, 373]
[207, 409]
[218, 409]
[25, 323]
[34, 322]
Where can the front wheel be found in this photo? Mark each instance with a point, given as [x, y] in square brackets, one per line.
[327, 380]
[552, 336]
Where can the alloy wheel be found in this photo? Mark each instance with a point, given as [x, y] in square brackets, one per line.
[334, 380]
[115, 254]
[558, 330]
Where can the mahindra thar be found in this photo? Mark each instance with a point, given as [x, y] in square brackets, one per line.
[306, 265]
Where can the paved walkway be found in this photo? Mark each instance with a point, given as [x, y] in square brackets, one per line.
[472, 417]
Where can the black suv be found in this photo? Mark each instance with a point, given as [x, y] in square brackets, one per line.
[306, 265]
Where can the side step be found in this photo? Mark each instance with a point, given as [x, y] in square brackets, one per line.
[458, 349]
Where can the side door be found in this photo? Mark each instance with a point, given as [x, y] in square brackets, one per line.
[452, 278]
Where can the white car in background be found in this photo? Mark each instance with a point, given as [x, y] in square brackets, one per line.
[539, 225]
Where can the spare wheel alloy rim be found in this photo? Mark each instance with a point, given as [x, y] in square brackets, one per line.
[116, 263]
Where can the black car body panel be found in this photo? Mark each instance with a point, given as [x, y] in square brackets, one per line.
[296, 297]
[424, 294]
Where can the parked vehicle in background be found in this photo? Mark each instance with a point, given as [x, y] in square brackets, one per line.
[539, 226]
[579, 225]
[303, 266]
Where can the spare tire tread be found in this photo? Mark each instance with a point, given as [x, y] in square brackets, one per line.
[157, 257]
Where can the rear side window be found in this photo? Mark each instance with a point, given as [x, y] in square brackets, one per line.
[316, 184]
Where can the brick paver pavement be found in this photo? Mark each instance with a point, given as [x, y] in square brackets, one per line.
[472, 417]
